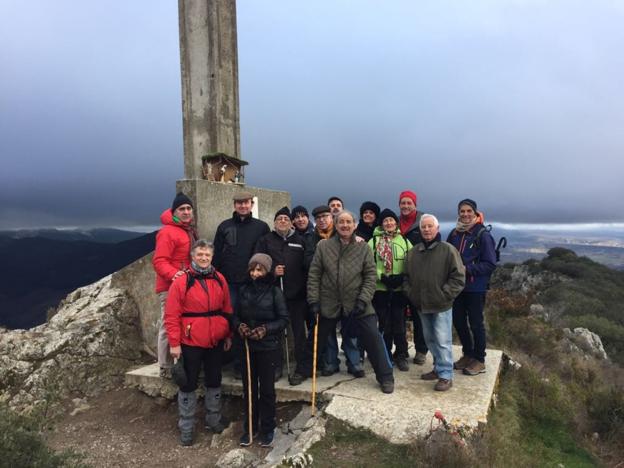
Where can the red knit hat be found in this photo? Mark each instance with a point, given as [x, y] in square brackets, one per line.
[407, 194]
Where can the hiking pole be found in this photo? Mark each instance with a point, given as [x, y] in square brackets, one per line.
[285, 333]
[314, 365]
[249, 406]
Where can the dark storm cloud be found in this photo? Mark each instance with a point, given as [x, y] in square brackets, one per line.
[515, 104]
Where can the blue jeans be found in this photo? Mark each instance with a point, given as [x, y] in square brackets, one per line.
[438, 332]
[351, 351]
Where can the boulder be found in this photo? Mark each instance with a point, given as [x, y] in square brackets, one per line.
[587, 341]
[85, 348]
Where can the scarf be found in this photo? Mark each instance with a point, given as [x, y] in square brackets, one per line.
[428, 244]
[407, 221]
[384, 249]
[463, 227]
[364, 230]
[202, 271]
[326, 234]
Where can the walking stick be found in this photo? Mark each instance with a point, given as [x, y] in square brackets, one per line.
[314, 365]
[285, 334]
[249, 406]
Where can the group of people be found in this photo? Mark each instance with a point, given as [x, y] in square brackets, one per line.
[253, 286]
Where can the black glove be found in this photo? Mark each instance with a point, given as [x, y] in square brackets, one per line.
[385, 280]
[359, 309]
[315, 309]
[395, 281]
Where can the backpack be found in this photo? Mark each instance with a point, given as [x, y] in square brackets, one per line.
[502, 242]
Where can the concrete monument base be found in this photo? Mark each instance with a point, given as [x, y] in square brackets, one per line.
[213, 202]
[401, 417]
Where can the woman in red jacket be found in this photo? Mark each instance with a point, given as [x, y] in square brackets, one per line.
[197, 316]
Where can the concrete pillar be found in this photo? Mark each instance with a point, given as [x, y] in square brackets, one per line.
[209, 63]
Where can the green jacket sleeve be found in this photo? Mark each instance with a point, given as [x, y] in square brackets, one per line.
[314, 276]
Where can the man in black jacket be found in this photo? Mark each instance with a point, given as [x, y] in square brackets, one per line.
[287, 250]
[235, 242]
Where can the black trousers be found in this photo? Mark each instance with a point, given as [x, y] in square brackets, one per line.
[196, 358]
[365, 329]
[419, 338]
[390, 309]
[470, 324]
[263, 364]
[298, 313]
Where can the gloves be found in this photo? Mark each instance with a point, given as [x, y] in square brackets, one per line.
[258, 333]
[243, 330]
[315, 309]
[392, 281]
[359, 309]
[396, 281]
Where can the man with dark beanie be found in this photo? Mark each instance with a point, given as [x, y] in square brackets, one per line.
[287, 251]
[172, 256]
[369, 220]
[476, 247]
[409, 224]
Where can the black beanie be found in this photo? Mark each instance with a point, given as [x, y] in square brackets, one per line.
[299, 210]
[369, 205]
[469, 202]
[387, 213]
[282, 211]
[179, 200]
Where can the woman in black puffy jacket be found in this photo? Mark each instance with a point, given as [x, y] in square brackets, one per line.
[260, 318]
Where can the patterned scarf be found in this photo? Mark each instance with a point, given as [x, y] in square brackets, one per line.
[384, 249]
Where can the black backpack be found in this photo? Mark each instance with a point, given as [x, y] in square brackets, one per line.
[502, 242]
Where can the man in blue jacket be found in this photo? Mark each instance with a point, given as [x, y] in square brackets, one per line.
[476, 247]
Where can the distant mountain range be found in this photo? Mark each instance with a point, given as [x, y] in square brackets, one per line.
[40, 267]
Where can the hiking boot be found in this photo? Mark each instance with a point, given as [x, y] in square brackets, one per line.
[186, 439]
[433, 375]
[219, 427]
[462, 363]
[245, 440]
[357, 373]
[442, 385]
[402, 364]
[474, 368]
[326, 372]
[165, 373]
[296, 379]
[387, 386]
[419, 359]
[266, 440]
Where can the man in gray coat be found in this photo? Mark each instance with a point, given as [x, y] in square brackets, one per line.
[434, 277]
[341, 284]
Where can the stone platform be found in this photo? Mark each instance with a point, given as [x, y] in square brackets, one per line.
[400, 417]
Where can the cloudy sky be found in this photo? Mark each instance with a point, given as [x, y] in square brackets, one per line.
[517, 104]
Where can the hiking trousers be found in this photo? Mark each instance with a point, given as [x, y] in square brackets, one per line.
[365, 329]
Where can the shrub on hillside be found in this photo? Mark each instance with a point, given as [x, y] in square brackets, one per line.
[21, 443]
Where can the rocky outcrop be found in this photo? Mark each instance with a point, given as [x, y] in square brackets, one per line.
[522, 280]
[85, 348]
[586, 341]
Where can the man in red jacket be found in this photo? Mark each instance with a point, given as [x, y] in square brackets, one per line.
[171, 259]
